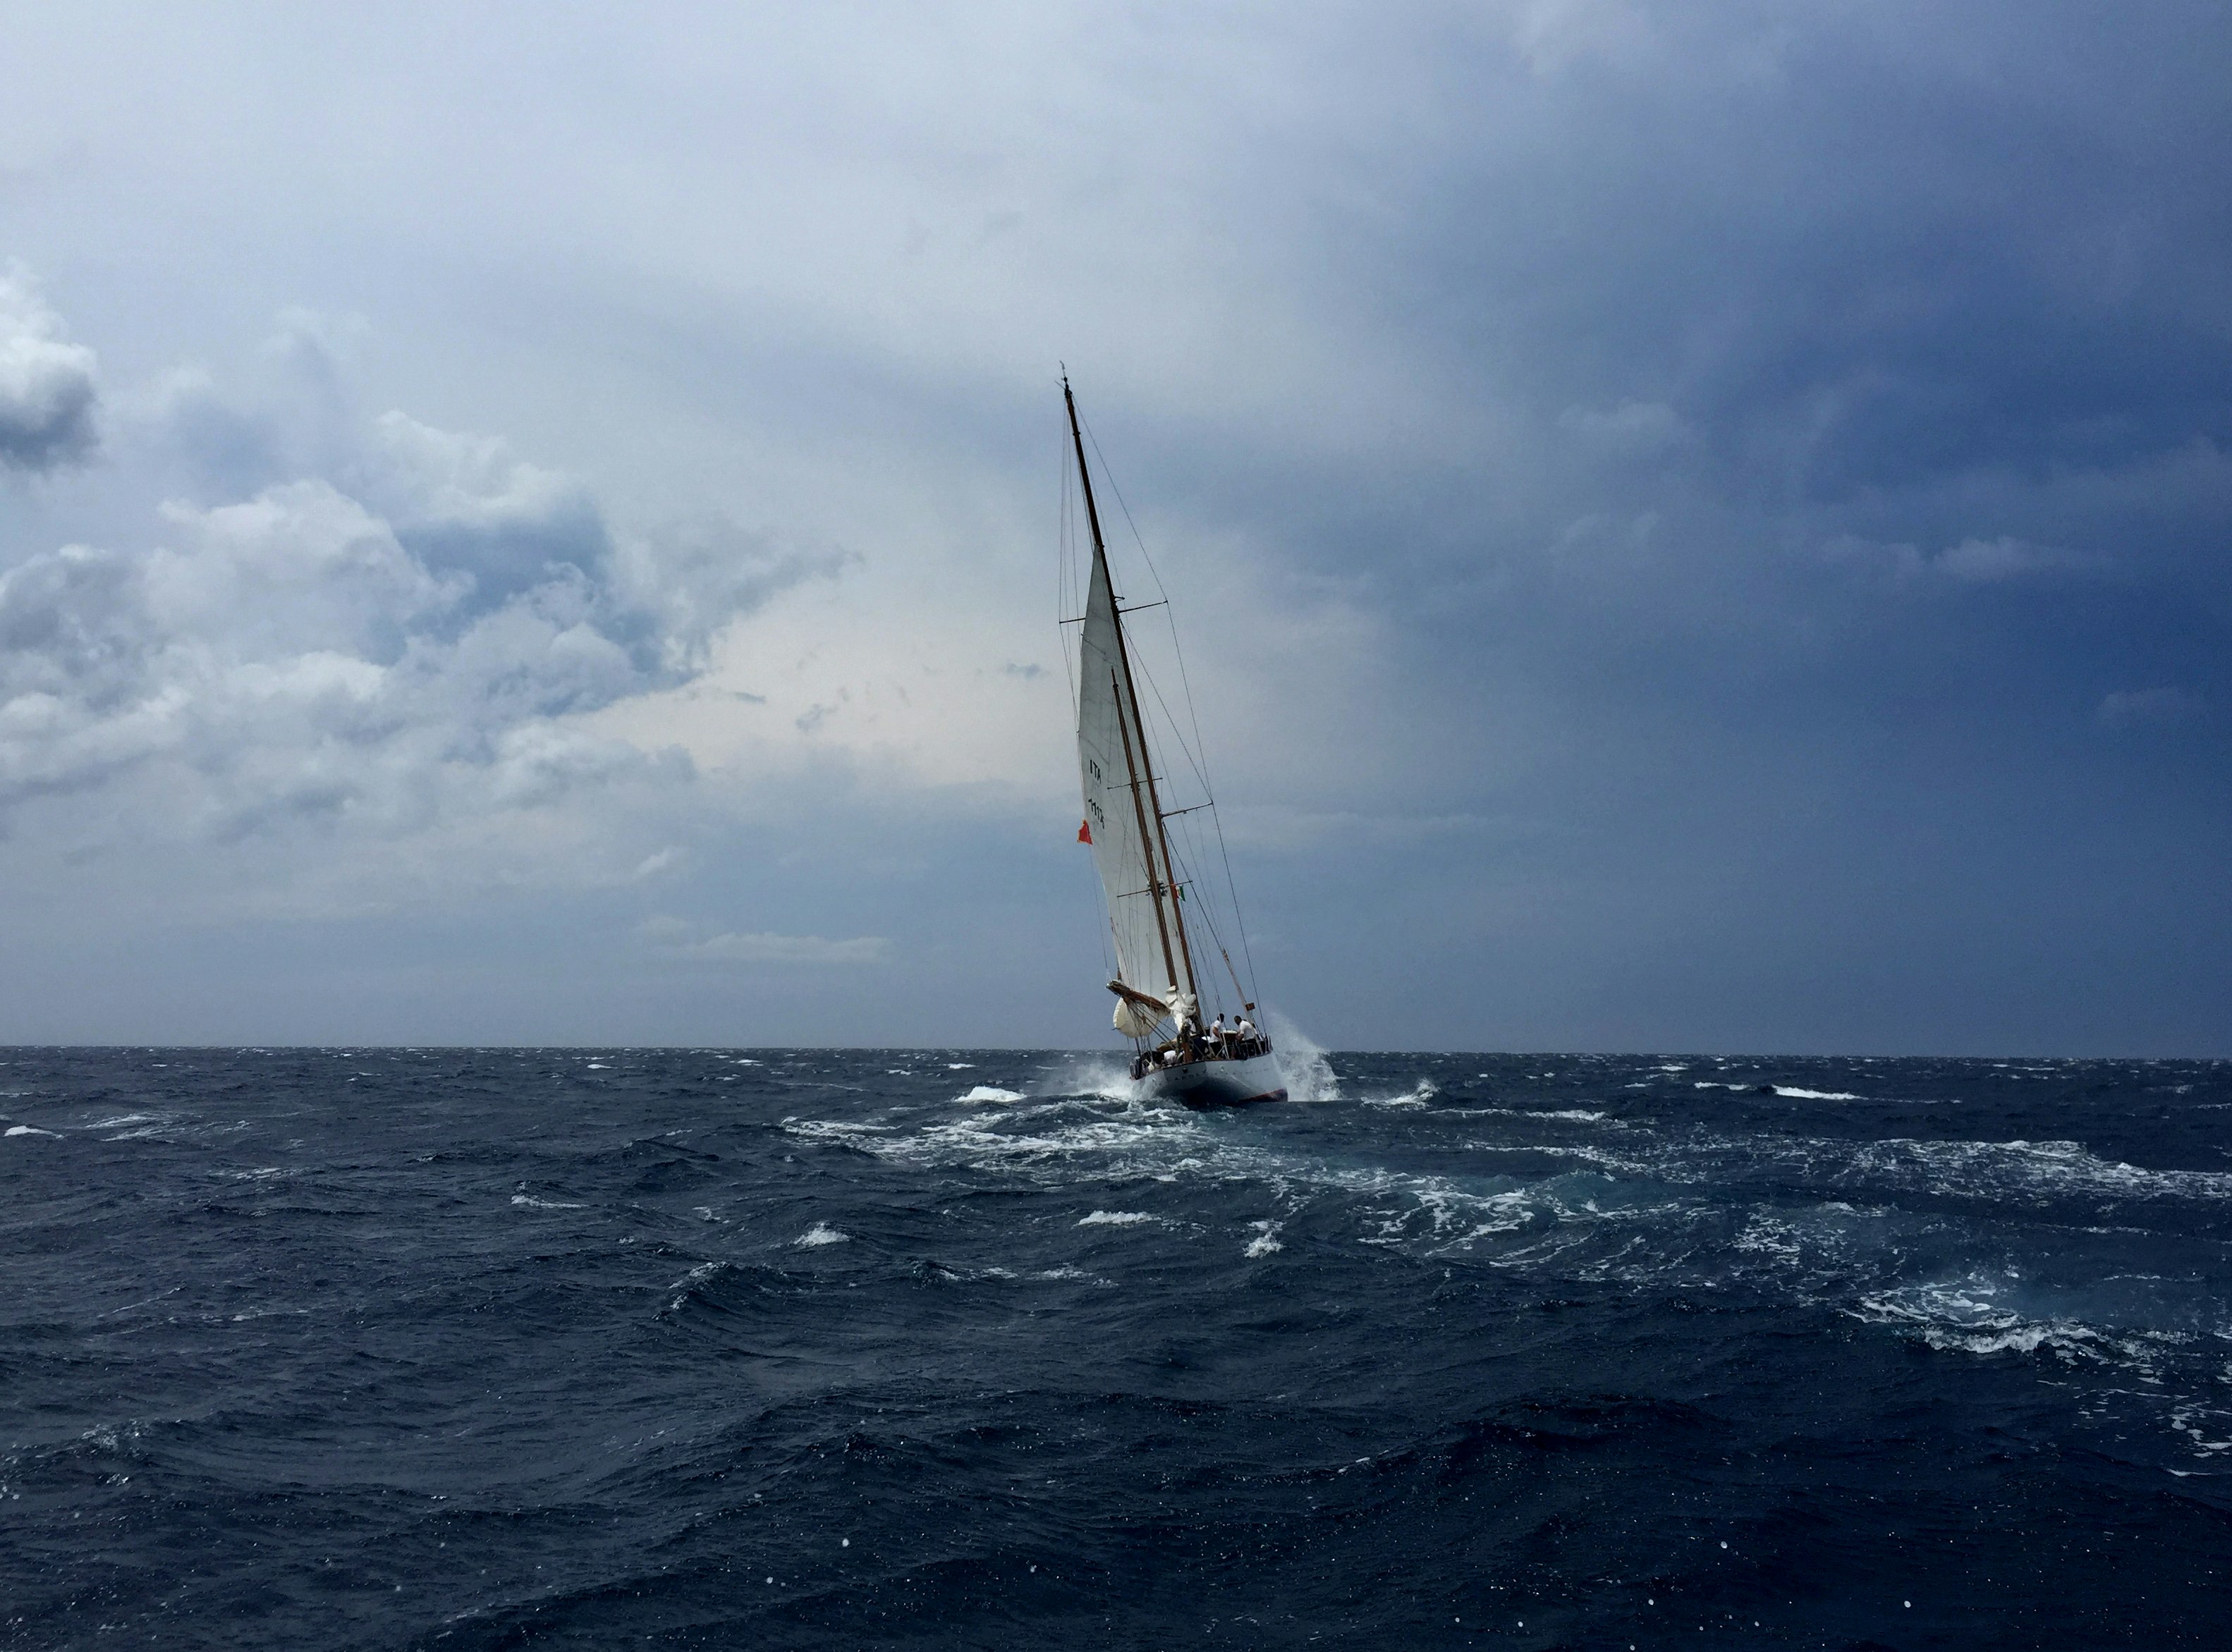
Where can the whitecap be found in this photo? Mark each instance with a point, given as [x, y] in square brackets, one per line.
[1964, 1316]
[1425, 1092]
[821, 1234]
[27, 1129]
[1796, 1094]
[1114, 1219]
[532, 1203]
[1264, 1244]
[991, 1092]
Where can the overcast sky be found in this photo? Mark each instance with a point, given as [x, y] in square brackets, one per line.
[1700, 526]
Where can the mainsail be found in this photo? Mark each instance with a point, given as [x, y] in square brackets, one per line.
[1129, 847]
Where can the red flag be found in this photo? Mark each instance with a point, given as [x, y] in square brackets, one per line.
[1085, 831]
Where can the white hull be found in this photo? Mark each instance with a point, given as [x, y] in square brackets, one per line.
[1215, 1084]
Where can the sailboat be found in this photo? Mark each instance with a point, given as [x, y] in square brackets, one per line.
[1175, 1057]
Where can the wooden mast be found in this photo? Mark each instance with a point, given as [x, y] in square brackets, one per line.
[1145, 759]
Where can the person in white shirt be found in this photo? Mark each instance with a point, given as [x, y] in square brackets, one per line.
[1247, 1028]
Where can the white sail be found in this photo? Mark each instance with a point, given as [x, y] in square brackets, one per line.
[1119, 813]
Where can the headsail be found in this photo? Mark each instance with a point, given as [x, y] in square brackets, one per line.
[1120, 806]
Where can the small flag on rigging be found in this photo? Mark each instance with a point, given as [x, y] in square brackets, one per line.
[1085, 831]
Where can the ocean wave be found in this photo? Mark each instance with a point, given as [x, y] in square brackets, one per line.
[1965, 1317]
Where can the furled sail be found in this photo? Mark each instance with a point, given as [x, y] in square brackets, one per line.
[1112, 762]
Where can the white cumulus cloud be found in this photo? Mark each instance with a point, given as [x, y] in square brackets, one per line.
[48, 392]
[416, 631]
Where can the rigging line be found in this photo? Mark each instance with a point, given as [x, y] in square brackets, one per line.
[1249, 993]
[1240, 918]
[1216, 934]
[1200, 764]
[1065, 556]
[1185, 686]
[1207, 911]
[1196, 754]
[1139, 669]
[1200, 771]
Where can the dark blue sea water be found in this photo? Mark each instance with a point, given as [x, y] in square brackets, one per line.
[477, 1349]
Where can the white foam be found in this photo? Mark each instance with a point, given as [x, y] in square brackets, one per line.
[992, 1093]
[1263, 1244]
[2035, 1169]
[958, 1067]
[821, 1234]
[1114, 1219]
[1793, 1091]
[1962, 1319]
[2186, 1420]
[1418, 1095]
[533, 1203]
[27, 1129]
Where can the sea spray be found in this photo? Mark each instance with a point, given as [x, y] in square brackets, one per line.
[1303, 1060]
